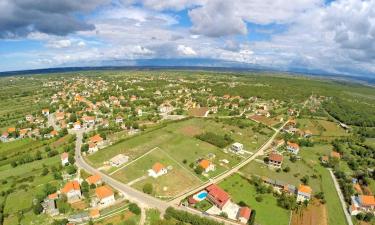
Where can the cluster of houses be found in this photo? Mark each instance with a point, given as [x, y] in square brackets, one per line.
[361, 202]
[103, 198]
[222, 203]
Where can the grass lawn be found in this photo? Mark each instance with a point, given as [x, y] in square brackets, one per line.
[152, 216]
[125, 217]
[322, 127]
[179, 138]
[267, 211]
[18, 201]
[175, 181]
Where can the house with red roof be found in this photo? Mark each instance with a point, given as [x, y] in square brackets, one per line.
[304, 193]
[105, 196]
[94, 179]
[157, 170]
[206, 165]
[244, 214]
[218, 196]
[292, 147]
[275, 159]
[72, 190]
[362, 203]
[64, 158]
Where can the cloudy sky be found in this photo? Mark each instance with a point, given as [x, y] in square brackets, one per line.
[317, 35]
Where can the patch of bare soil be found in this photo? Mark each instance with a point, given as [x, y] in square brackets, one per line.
[191, 130]
[314, 214]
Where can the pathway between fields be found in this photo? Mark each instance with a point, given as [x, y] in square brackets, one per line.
[343, 204]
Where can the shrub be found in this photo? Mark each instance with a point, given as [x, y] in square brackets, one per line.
[134, 208]
[147, 188]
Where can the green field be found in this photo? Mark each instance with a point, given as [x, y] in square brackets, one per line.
[323, 128]
[267, 211]
[308, 166]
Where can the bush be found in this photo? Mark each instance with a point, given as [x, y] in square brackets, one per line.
[259, 198]
[134, 208]
[215, 139]
[252, 217]
[147, 188]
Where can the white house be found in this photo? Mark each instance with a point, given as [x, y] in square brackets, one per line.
[244, 214]
[77, 125]
[64, 158]
[237, 147]
[45, 112]
[92, 148]
[362, 203]
[292, 147]
[105, 196]
[304, 193]
[72, 190]
[207, 165]
[157, 170]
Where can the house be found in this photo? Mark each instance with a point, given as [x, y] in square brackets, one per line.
[96, 139]
[157, 170]
[45, 112]
[53, 133]
[275, 159]
[105, 196]
[64, 158]
[94, 179]
[244, 214]
[77, 125]
[206, 165]
[50, 207]
[92, 148]
[23, 132]
[335, 155]
[11, 130]
[90, 120]
[324, 159]
[218, 196]
[72, 190]
[292, 147]
[4, 137]
[237, 147]
[304, 193]
[165, 108]
[362, 203]
[119, 120]
[118, 160]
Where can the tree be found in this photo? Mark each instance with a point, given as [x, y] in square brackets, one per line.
[147, 188]
[198, 170]
[134, 208]
[305, 179]
[259, 198]
[252, 217]
[71, 169]
[37, 208]
[286, 169]
[45, 171]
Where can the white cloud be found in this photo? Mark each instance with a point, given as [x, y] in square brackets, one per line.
[59, 44]
[186, 50]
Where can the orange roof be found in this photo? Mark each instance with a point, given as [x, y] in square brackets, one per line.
[304, 189]
[92, 145]
[54, 133]
[335, 154]
[204, 163]
[71, 186]
[88, 118]
[293, 145]
[60, 115]
[11, 129]
[53, 196]
[24, 131]
[103, 192]
[45, 110]
[94, 179]
[157, 167]
[96, 138]
[325, 158]
[64, 155]
[94, 213]
[367, 200]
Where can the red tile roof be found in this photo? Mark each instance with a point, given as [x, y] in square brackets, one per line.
[103, 192]
[245, 212]
[96, 139]
[276, 157]
[367, 200]
[94, 179]
[70, 186]
[219, 195]
[157, 167]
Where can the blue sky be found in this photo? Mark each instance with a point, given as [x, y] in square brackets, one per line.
[331, 36]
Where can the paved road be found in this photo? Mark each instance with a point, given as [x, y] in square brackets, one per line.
[341, 197]
[133, 195]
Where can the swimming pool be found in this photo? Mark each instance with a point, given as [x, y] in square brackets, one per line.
[200, 196]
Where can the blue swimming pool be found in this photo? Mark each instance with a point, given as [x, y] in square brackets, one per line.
[202, 195]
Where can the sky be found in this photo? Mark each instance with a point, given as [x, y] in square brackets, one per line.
[313, 35]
